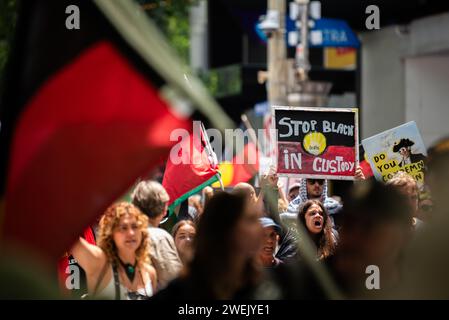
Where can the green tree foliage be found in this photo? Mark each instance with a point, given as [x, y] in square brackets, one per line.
[172, 17]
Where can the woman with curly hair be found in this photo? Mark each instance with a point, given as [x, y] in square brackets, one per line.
[119, 267]
[314, 217]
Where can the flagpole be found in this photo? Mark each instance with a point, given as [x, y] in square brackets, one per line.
[248, 126]
[221, 182]
[210, 150]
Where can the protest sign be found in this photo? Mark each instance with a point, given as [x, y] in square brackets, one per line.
[400, 148]
[317, 143]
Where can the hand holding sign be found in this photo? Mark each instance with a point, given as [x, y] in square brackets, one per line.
[270, 179]
[359, 174]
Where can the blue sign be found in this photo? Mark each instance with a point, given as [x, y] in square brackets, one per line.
[325, 33]
[261, 108]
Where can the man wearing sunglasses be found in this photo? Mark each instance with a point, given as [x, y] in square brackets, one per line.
[315, 188]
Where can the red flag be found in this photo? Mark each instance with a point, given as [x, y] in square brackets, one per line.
[366, 168]
[191, 167]
[364, 164]
[82, 118]
[244, 167]
[64, 263]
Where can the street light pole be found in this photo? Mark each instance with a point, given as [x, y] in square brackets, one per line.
[302, 49]
[301, 90]
[277, 54]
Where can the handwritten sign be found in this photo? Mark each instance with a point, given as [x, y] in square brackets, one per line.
[400, 148]
[316, 142]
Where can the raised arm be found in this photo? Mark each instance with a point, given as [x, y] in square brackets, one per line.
[270, 195]
[90, 257]
[282, 193]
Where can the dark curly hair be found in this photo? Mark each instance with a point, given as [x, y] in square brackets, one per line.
[325, 240]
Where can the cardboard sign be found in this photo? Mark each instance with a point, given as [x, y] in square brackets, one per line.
[317, 143]
[400, 148]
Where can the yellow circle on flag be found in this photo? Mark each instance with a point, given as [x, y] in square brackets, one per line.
[227, 173]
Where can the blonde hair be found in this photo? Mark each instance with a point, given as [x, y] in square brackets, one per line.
[401, 179]
[110, 221]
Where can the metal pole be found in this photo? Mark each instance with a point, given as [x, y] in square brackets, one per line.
[277, 72]
[220, 181]
[302, 49]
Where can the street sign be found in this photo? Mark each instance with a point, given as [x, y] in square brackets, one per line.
[324, 32]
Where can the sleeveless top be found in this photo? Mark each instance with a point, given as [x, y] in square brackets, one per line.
[115, 290]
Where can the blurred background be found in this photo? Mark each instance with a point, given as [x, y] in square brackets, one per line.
[220, 42]
[394, 73]
[389, 58]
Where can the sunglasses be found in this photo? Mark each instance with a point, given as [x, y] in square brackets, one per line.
[313, 181]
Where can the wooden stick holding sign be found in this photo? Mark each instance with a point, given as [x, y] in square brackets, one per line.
[317, 143]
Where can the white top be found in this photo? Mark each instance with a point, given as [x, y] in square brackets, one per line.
[108, 292]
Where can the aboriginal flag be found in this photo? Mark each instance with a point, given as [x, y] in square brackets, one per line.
[191, 167]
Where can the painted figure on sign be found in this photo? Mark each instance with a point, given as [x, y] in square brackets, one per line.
[404, 148]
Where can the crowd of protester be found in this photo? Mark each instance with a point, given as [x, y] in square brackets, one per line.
[243, 244]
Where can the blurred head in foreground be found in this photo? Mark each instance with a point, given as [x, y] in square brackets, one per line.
[376, 229]
[427, 260]
[226, 246]
[408, 186]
